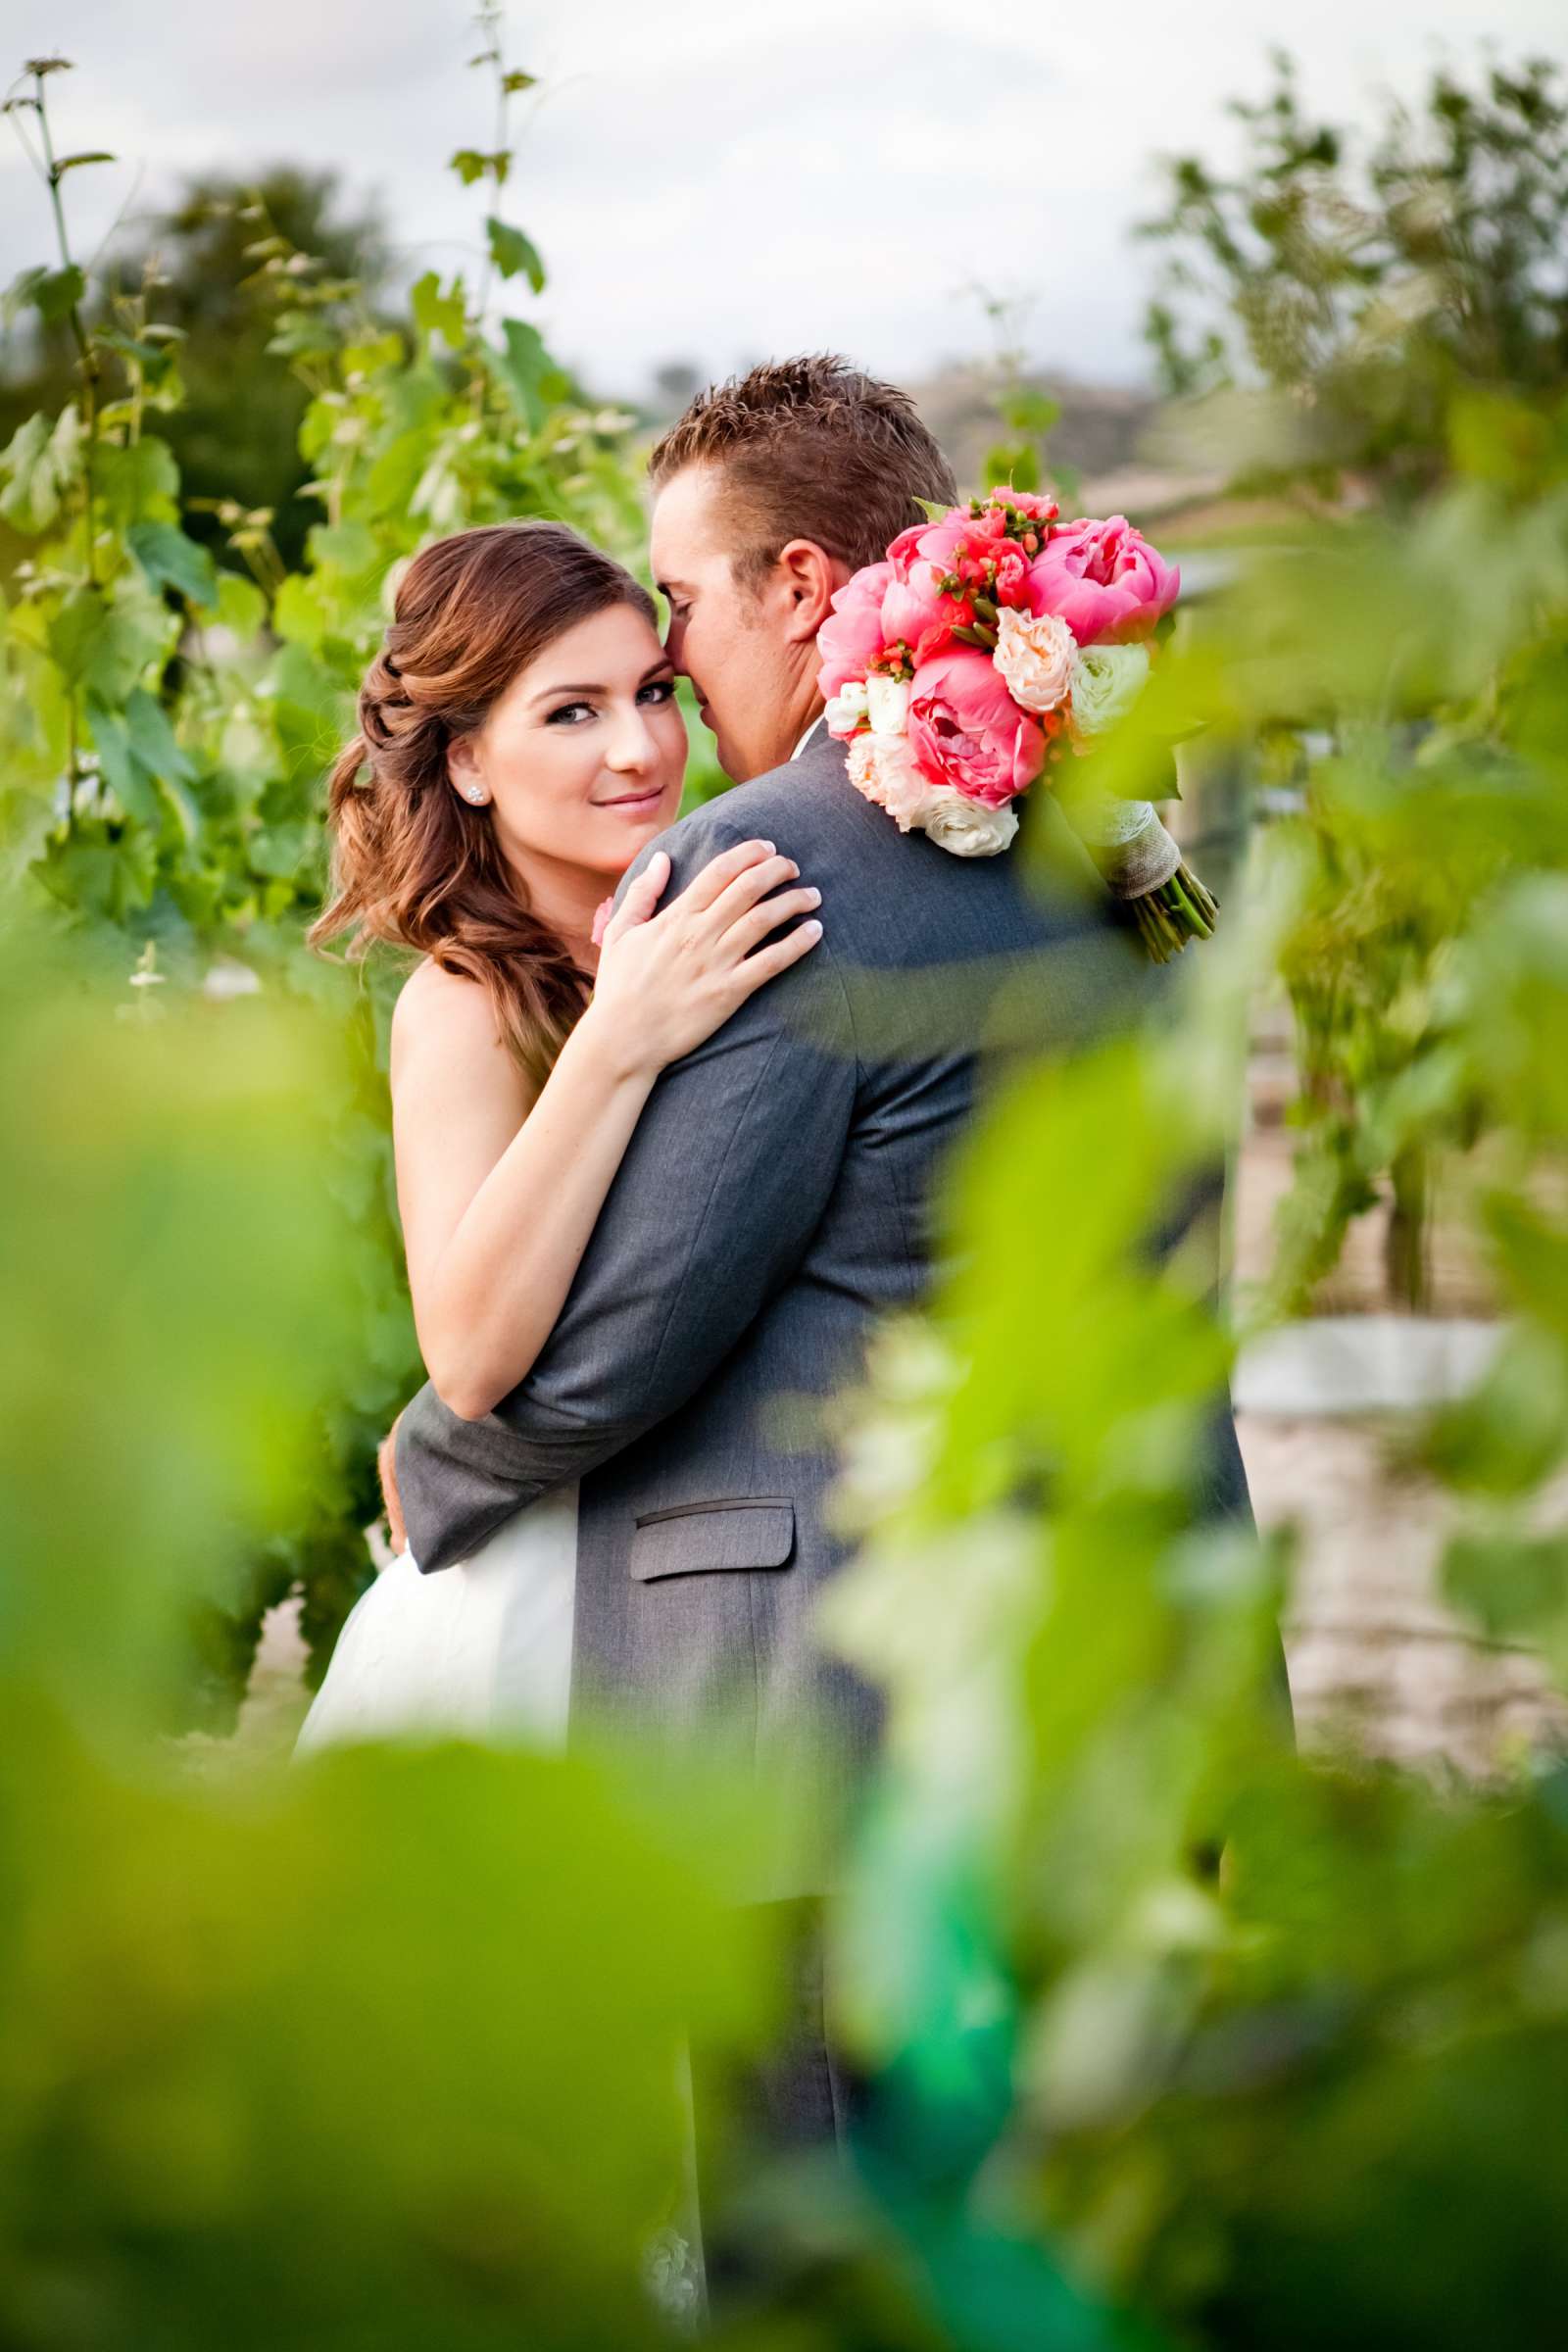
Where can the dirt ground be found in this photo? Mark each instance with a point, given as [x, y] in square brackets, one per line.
[1375, 1659]
[1374, 1656]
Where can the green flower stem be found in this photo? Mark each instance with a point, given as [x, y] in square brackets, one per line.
[1180, 910]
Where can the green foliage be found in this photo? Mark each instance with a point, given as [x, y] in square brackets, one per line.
[1380, 286]
[1391, 326]
[187, 301]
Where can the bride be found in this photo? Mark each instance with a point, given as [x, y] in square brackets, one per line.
[520, 743]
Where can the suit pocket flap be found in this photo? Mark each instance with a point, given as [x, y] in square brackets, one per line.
[713, 1535]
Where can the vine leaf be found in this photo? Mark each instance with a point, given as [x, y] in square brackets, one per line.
[56, 291]
[134, 790]
[102, 646]
[472, 163]
[139, 483]
[138, 752]
[511, 251]
[525, 371]
[71, 162]
[37, 466]
[171, 561]
[19, 295]
[440, 314]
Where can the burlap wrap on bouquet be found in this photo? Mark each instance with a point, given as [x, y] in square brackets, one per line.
[1130, 845]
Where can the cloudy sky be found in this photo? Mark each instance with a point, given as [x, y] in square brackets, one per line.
[712, 180]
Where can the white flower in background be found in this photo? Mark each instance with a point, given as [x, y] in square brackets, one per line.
[968, 828]
[1035, 655]
[228, 977]
[847, 708]
[1107, 681]
[888, 704]
[882, 768]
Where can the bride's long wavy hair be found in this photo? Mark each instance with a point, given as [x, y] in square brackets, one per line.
[413, 864]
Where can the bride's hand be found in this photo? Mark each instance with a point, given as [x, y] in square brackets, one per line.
[670, 976]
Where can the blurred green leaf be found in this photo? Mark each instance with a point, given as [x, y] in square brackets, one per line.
[512, 251]
[171, 560]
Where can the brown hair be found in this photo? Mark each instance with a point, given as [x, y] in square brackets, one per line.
[810, 449]
[412, 863]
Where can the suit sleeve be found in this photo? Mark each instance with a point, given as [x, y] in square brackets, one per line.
[724, 1182]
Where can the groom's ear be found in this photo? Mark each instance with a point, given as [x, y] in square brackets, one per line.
[808, 578]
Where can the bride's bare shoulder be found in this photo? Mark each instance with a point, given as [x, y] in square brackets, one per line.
[443, 1015]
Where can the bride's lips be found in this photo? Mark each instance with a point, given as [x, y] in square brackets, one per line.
[635, 804]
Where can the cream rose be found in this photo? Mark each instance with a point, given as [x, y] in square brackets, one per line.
[967, 828]
[882, 768]
[847, 710]
[1035, 657]
[1107, 681]
[888, 704]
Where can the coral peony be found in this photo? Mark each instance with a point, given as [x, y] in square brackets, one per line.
[967, 731]
[1104, 579]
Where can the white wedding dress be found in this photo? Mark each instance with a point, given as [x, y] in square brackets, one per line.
[481, 1650]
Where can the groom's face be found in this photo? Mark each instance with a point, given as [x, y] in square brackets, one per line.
[728, 638]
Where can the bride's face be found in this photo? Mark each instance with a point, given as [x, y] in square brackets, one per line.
[582, 759]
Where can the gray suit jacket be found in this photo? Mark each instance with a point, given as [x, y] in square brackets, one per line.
[773, 1205]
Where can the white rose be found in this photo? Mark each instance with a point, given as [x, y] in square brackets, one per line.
[889, 705]
[968, 828]
[847, 710]
[882, 767]
[1107, 681]
[1034, 658]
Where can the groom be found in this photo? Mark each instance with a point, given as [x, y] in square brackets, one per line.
[772, 1203]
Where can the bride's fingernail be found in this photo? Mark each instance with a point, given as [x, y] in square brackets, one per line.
[813, 898]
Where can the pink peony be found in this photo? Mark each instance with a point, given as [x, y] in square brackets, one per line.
[1012, 575]
[966, 730]
[851, 637]
[988, 525]
[917, 613]
[934, 543]
[1105, 580]
[1031, 503]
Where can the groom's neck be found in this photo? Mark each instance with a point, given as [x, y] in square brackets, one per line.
[797, 712]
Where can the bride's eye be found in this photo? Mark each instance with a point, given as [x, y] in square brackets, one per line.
[661, 690]
[567, 712]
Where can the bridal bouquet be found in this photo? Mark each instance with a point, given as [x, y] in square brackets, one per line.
[994, 642]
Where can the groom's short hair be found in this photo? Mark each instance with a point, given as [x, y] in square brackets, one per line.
[809, 449]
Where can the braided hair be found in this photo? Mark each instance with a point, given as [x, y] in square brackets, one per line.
[413, 864]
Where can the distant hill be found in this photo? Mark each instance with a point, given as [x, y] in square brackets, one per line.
[1098, 431]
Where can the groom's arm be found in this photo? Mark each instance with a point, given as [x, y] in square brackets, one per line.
[722, 1187]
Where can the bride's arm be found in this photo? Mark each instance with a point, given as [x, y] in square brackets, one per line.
[499, 1193]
